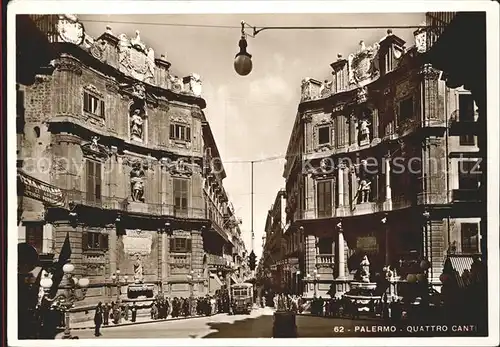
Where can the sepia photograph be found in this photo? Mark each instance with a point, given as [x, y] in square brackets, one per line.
[283, 170]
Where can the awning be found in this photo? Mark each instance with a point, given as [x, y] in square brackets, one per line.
[459, 264]
[216, 277]
[39, 190]
[234, 280]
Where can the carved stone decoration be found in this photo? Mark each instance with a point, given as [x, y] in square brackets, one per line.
[429, 72]
[421, 40]
[361, 95]
[97, 49]
[137, 182]
[93, 90]
[176, 83]
[180, 168]
[135, 59]
[68, 65]
[70, 29]
[94, 150]
[325, 89]
[310, 89]
[193, 84]
[137, 116]
[403, 89]
[363, 66]
[137, 242]
[139, 91]
[112, 87]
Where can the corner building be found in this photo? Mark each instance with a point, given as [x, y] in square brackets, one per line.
[372, 168]
[124, 141]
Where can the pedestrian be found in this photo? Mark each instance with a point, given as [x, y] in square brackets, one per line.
[105, 313]
[154, 310]
[98, 319]
[125, 313]
[134, 312]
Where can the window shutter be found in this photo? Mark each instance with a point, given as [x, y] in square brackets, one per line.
[103, 109]
[328, 197]
[172, 131]
[172, 245]
[89, 166]
[98, 183]
[104, 242]
[85, 240]
[85, 102]
[188, 134]
[188, 245]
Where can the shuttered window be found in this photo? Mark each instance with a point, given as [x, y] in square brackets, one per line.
[180, 132]
[94, 184]
[180, 245]
[468, 174]
[94, 241]
[181, 190]
[34, 235]
[466, 114]
[324, 195]
[94, 105]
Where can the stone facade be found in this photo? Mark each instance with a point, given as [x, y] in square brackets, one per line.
[378, 153]
[123, 138]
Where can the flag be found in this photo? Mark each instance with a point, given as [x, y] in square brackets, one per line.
[58, 273]
[65, 251]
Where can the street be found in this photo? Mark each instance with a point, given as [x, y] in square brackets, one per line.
[259, 324]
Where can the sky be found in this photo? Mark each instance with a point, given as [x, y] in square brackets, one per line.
[252, 117]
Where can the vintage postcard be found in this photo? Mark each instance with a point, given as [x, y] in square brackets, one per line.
[253, 173]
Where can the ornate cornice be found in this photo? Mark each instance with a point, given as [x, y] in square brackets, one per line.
[68, 138]
[67, 64]
[428, 72]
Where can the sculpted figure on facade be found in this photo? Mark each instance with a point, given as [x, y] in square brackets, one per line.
[195, 84]
[305, 89]
[138, 269]
[364, 267]
[326, 88]
[137, 183]
[364, 131]
[136, 125]
[363, 65]
[364, 189]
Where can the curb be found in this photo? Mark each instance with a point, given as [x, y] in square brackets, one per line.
[141, 322]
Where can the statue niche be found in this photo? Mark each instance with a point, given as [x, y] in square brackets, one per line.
[137, 183]
[137, 119]
[364, 128]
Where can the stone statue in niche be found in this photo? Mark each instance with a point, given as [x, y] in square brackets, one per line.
[364, 268]
[138, 269]
[136, 124]
[305, 89]
[137, 183]
[364, 132]
[364, 189]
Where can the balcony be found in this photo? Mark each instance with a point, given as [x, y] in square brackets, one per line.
[126, 204]
[323, 260]
[464, 127]
[465, 195]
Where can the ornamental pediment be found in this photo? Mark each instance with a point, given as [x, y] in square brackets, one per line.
[94, 150]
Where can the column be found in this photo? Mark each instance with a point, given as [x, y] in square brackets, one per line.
[354, 186]
[164, 259]
[340, 181]
[48, 238]
[112, 250]
[341, 265]
[388, 191]
[345, 173]
[310, 254]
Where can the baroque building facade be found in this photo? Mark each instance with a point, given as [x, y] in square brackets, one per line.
[373, 168]
[119, 147]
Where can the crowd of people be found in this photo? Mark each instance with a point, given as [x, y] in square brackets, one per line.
[161, 308]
